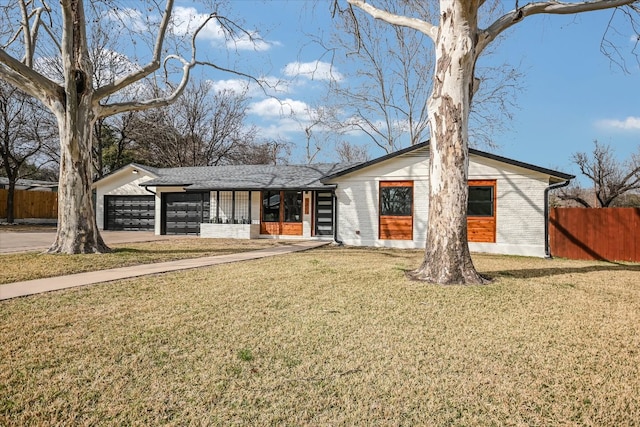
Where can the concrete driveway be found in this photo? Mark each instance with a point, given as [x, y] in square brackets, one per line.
[40, 241]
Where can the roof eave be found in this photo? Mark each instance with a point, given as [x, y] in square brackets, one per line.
[552, 174]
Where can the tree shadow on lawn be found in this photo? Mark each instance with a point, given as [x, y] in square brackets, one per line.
[530, 273]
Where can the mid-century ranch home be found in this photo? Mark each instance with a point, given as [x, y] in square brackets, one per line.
[382, 202]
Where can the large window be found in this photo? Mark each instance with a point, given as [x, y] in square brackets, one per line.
[271, 206]
[396, 201]
[289, 201]
[292, 206]
[396, 210]
[480, 201]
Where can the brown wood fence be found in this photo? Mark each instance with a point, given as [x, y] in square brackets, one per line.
[30, 204]
[611, 234]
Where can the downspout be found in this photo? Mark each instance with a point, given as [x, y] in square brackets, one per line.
[147, 190]
[335, 220]
[547, 249]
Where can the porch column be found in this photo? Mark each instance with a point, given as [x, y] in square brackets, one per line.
[217, 206]
[233, 207]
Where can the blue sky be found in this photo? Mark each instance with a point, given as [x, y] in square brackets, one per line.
[572, 93]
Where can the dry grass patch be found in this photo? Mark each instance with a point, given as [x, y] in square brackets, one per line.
[35, 265]
[330, 337]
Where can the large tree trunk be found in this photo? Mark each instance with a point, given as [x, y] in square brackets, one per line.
[77, 230]
[447, 258]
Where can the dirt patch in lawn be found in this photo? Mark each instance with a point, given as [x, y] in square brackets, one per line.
[331, 336]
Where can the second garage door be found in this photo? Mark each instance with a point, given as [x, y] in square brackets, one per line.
[184, 212]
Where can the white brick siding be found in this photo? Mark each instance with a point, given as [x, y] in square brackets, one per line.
[358, 201]
[520, 205]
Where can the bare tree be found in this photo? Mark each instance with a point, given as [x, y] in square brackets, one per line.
[459, 40]
[610, 177]
[351, 153]
[25, 129]
[385, 97]
[203, 128]
[270, 152]
[78, 100]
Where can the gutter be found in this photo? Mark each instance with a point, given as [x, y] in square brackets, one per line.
[547, 249]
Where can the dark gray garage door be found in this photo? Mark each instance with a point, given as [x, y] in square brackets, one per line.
[183, 212]
[132, 213]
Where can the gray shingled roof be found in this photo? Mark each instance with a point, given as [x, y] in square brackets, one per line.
[246, 177]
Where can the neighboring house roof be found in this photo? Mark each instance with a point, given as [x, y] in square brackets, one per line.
[29, 183]
[555, 176]
[245, 177]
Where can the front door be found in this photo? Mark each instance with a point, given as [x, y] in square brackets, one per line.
[281, 213]
[324, 213]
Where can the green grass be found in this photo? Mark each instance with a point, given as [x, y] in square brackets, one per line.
[330, 337]
[36, 265]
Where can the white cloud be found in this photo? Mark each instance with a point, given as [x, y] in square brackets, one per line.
[128, 18]
[253, 42]
[186, 20]
[315, 70]
[271, 107]
[235, 85]
[268, 84]
[630, 123]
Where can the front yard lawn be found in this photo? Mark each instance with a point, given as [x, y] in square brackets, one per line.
[36, 265]
[333, 336]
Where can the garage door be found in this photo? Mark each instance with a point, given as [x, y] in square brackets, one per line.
[132, 213]
[183, 212]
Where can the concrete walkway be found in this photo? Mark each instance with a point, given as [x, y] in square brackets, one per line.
[31, 287]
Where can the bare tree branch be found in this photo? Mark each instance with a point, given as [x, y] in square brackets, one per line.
[151, 67]
[391, 18]
[546, 7]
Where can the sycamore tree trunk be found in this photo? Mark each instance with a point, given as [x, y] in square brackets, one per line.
[77, 229]
[447, 258]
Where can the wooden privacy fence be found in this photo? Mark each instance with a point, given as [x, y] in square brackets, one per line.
[30, 204]
[611, 234]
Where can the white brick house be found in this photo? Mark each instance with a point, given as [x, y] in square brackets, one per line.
[383, 202]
